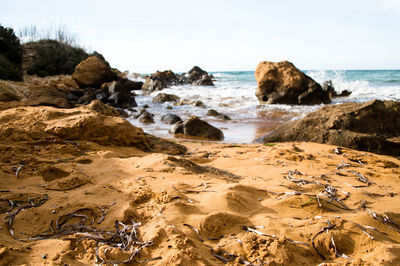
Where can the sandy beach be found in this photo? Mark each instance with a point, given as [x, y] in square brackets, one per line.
[276, 204]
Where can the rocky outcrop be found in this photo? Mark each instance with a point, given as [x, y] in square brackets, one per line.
[95, 122]
[167, 78]
[283, 83]
[93, 72]
[196, 127]
[165, 97]
[373, 126]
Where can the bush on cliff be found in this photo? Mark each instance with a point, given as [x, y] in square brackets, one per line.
[54, 58]
[10, 55]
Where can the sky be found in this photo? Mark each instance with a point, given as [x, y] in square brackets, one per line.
[223, 35]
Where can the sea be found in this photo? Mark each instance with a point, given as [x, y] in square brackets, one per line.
[234, 95]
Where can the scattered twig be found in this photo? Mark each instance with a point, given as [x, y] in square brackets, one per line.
[363, 230]
[324, 229]
[196, 230]
[385, 220]
[18, 170]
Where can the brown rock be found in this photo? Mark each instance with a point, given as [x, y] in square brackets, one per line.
[159, 81]
[165, 97]
[88, 123]
[93, 72]
[283, 83]
[373, 126]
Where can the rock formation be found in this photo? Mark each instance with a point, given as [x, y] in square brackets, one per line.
[373, 126]
[95, 122]
[283, 83]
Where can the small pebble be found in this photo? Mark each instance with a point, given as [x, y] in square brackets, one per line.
[44, 256]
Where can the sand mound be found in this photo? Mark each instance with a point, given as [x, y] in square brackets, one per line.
[95, 122]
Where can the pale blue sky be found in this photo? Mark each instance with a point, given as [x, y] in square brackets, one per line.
[149, 35]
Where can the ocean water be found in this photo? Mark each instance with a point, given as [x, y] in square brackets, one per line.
[234, 95]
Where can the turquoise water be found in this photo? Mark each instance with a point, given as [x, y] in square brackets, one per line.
[234, 95]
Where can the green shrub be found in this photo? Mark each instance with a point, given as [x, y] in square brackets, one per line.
[54, 58]
[10, 55]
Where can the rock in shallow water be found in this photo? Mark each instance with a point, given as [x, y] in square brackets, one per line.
[283, 83]
[373, 126]
[196, 127]
[170, 119]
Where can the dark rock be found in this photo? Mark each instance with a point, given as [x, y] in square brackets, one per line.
[131, 85]
[145, 117]
[88, 96]
[328, 86]
[120, 94]
[177, 128]
[194, 126]
[145, 106]
[212, 112]
[170, 119]
[168, 107]
[373, 126]
[283, 83]
[122, 112]
[199, 77]
[164, 97]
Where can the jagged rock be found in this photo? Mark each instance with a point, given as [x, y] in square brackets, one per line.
[170, 119]
[164, 97]
[328, 86]
[93, 72]
[199, 77]
[164, 79]
[283, 83]
[194, 126]
[86, 123]
[373, 126]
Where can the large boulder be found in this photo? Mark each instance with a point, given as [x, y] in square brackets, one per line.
[196, 127]
[93, 72]
[373, 126]
[283, 83]
[95, 122]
